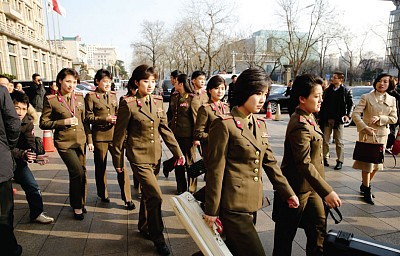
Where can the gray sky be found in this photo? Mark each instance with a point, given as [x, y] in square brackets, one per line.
[118, 22]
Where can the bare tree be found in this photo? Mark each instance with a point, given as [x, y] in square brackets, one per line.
[351, 54]
[207, 20]
[297, 45]
[152, 45]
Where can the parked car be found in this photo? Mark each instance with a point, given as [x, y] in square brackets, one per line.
[84, 88]
[88, 85]
[357, 91]
[166, 87]
[275, 97]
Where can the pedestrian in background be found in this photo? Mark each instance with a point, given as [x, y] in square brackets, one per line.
[288, 92]
[374, 112]
[182, 125]
[303, 167]
[26, 152]
[36, 93]
[142, 120]
[238, 150]
[64, 113]
[18, 87]
[231, 89]
[215, 107]
[335, 111]
[10, 126]
[52, 88]
[101, 113]
[173, 77]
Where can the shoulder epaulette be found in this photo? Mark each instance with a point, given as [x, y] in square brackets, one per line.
[113, 92]
[226, 116]
[91, 93]
[206, 104]
[158, 97]
[129, 99]
[191, 94]
[175, 92]
[51, 96]
[302, 119]
[78, 94]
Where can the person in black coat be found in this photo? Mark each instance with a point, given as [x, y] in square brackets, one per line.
[9, 133]
[336, 110]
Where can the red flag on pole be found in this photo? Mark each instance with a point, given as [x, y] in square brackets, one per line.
[58, 8]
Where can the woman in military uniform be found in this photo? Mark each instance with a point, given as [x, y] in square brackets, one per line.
[207, 113]
[65, 113]
[142, 120]
[101, 109]
[182, 125]
[238, 149]
[303, 167]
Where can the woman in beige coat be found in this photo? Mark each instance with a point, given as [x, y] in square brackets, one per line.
[372, 116]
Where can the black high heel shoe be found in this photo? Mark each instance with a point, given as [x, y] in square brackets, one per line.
[79, 216]
[84, 210]
[130, 205]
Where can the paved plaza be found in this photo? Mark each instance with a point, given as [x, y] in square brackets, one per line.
[109, 229]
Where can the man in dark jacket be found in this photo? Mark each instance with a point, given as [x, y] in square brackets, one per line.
[25, 152]
[36, 93]
[9, 133]
[336, 110]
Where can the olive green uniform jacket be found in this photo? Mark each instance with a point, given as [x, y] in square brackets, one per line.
[303, 162]
[98, 107]
[143, 127]
[55, 111]
[234, 177]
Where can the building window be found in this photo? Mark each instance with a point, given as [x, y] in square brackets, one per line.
[26, 68]
[11, 48]
[43, 57]
[44, 70]
[13, 63]
[36, 66]
[35, 55]
[24, 52]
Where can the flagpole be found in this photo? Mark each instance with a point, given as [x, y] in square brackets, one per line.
[60, 41]
[48, 35]
[55, 41]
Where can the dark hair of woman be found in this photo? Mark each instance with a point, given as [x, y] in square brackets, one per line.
[100, 74]
[183, 78]
[214, 82]
[140, 73]
[392, 85]
[65, 72]
[303, 86]
[249, 82]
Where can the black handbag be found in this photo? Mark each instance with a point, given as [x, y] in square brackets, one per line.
[369, 152]
[196, 169]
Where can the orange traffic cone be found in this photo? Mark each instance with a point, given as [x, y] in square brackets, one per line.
[48, 141]
[268, 115]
